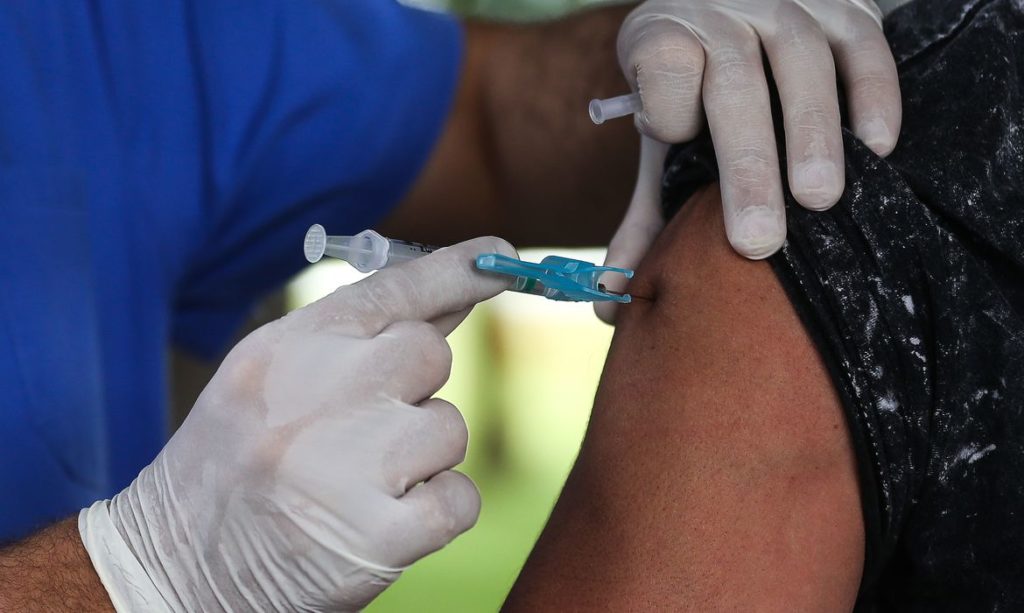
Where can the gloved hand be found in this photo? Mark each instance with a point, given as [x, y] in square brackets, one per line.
[315, 465]
[691, 57]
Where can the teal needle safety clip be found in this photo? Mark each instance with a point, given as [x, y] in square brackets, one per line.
[556, 278]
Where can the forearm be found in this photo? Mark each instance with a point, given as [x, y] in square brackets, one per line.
[519, 156]
[50, 571]
[561, 178]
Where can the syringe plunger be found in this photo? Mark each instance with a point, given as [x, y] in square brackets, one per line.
[366, 252]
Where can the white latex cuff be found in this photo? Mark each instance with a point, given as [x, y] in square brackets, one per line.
[127, 583]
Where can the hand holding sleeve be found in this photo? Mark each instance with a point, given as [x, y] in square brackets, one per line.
[690, 60]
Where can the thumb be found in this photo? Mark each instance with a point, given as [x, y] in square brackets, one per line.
[663, 59]
[641, 225]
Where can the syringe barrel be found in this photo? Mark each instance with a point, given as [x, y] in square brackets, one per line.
[403, 251]
[369, 251]
[366, 251]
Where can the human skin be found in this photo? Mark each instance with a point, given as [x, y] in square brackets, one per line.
[717, 471]
[50, 572]
[517, 131]
[519, 157]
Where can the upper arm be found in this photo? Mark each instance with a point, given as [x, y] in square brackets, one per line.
[455, 196]
[717, 472]
[519, 156]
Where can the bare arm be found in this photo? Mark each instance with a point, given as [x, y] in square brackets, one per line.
[51, 571]
[717, 473]
[519, 156]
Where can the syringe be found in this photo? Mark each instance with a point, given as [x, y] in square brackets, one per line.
[555, 278]
[366, 252]
[611, 108]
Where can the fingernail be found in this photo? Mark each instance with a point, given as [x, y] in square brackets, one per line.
[759, 231]
[817, 184]
[876, 135]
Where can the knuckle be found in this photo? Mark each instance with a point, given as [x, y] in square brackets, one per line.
[246, 363]
[432, 345]
[453, 507]
[391, 287]
[745, 99]
[812, 109]
[732, 65]
[859, 24]
[866, 57]
[669, 46]
[871, 11]
[872, 87]
[795, 28]
[428, 348]
[432, 513]
[672, 111]
[869, 55]
[377, 298]
[453, 425]
[815, 141]
[814, 124]
[667, 61]
[664, 84]
[741, 99]
[751, 166]
[812, 61]
[673, 128]
[335, 311]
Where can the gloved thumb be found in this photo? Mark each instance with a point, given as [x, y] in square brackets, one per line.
[641, 225]
[663, 60]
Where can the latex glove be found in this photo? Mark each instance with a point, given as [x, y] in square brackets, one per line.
[691, 57]
[315, 465]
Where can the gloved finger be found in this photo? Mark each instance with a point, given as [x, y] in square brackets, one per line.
[446, 281]
[447, 323]
[868, 70]
[663, 60]
[801, 61]
[740, 118]
[412, 361]
[641, 225]
[437, 443]
[440, 509]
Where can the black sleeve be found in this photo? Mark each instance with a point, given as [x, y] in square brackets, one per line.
[912, 288]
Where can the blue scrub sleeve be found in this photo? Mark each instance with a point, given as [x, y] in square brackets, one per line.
[319, 111]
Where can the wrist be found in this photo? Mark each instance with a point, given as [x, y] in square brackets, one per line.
[50, 571]
[126, 581]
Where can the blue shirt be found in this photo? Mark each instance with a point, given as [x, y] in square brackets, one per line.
[160, 161]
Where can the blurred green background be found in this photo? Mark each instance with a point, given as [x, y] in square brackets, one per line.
[524, 375]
